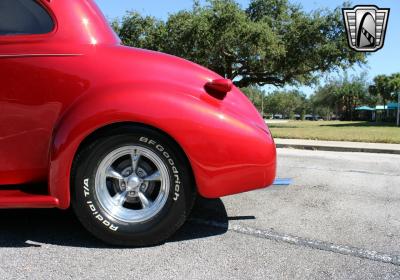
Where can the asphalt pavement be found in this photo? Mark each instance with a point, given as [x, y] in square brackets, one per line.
[340, 219]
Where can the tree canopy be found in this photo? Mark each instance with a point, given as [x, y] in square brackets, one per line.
[395, 83]
[342, 95]
[256, 96]
[285, 102]
[270, 42]
[339, 97]
[385, 86]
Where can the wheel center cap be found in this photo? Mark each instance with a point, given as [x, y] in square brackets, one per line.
[133, 183]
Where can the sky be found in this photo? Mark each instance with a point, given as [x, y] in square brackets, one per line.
[384, 61]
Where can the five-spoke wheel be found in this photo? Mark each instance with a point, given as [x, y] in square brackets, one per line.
[132, 183]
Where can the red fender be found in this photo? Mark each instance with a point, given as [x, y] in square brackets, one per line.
[215, 142]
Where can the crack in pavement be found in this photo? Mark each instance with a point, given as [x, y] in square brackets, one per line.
[305, 242]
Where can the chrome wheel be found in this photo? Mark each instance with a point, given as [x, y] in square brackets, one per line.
[132, 184]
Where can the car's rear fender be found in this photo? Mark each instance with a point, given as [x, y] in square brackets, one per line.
[228, 155]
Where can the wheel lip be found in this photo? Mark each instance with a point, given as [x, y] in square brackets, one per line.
[124, 214]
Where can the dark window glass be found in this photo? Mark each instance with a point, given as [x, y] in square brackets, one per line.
[23, 17]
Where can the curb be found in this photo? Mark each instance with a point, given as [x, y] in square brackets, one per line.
[338, 149]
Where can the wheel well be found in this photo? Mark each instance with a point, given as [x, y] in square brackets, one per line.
[106, 130]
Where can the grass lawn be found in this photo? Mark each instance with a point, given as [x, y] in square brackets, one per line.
[337, 131]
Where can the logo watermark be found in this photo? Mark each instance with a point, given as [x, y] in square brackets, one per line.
[366, 27]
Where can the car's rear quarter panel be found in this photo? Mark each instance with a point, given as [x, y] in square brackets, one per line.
[229, 151]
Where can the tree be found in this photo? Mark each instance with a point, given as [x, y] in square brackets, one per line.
[327, 99]
[353, 94]
[271, 42]
[384, 86]
[256, 96]
[342, 96]
[395, 85]
[141, 32]
[286, 102]
[381, 87]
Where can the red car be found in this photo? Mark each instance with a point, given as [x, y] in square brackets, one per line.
[127, 137]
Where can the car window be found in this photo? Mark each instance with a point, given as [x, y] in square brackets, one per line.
[24, 17]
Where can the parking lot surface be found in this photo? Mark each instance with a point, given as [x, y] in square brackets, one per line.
[340, 219]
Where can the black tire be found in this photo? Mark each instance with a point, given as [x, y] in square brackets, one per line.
[107, 228]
